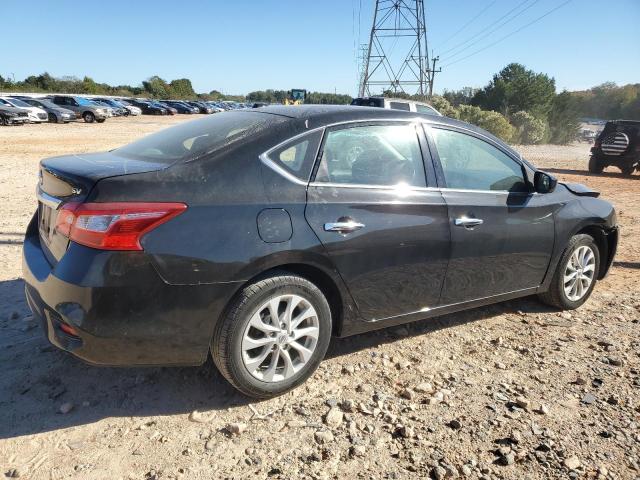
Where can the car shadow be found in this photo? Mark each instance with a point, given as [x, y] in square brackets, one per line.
[38, 379]
[631, 265]
[567, 171]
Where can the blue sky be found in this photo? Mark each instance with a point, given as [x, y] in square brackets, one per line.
[243, 45]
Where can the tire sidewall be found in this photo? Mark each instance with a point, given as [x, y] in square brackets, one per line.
[88, 117]
[283, 286]
[576, 242]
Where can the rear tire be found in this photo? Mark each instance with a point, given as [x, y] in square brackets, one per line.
[594, 165]
[89, 117]
[627, 170]
[264, 358]
[560, 290]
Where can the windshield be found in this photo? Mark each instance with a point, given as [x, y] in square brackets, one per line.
[84, 101]
[195, 139]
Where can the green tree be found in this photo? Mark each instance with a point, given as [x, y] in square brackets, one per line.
[564, 123]
[181, 88]
[514, 89]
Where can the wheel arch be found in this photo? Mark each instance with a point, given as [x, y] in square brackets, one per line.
[606, 243]
[329, 284]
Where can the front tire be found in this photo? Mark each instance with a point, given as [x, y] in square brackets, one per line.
[273, 336]
[575, 276]
[89, 117]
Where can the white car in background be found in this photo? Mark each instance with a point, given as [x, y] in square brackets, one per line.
[35, 114]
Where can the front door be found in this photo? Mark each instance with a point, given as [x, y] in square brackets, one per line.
[502, 234]
[387, 234]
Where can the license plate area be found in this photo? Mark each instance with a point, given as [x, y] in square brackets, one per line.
[45, 222]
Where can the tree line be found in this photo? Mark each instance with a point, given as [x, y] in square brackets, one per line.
[517, 105]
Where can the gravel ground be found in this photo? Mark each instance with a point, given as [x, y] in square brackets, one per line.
[514, 390]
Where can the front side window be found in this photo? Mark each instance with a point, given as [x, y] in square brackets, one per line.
[372, 155]
[472, 164]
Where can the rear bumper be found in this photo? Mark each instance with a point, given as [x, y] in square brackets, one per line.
[123, 312]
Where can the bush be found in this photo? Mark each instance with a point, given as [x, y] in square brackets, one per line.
[489, 120]
[528, 129]
[443, 106]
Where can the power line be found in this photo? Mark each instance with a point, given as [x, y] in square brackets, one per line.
[480, 33]
[511, 34]
[484, 10]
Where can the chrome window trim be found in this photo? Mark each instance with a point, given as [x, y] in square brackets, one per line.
[266, 159]
[431, 122]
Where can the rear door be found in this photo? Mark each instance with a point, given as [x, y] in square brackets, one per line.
[386, 233]
[502, 234]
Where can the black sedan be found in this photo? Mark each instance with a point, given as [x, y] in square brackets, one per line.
[255, 235]
[148, 108]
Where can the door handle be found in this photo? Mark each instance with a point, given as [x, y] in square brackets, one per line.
[468, 222]
[343, 227]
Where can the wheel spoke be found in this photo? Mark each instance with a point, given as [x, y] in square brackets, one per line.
[306, 332]
[305, 353]
[292, 303]
[273, 312]
[252, 364]
[289, 369]
[249, 343]
[273, 365]
[570, 277]
[307, 313]
[257, 323]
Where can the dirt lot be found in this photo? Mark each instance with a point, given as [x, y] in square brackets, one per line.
[509, 391]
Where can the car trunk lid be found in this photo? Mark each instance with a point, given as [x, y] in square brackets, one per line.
[71, 178]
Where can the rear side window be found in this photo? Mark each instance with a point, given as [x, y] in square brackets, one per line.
[297, 155]
[383, 155]
[196, 139]
[400, 106]
[469, 163]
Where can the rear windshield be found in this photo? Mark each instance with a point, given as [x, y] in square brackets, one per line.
[195, 139]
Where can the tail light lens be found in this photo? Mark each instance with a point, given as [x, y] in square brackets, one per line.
[113, 226]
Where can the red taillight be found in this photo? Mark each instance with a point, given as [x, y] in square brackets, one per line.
[113, 226]
[69, 330]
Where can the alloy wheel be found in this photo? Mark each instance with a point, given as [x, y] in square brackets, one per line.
[280, 338]
[579, 273]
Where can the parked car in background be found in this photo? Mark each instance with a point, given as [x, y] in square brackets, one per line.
[117, 111]
[13, 116]
[617, 145]
[35, 114]
[170, 109]
[200, 106]
[181, 107]
[230, 236]
[396, 104]
[133, 110]
[55, 113]
[148, 108]
[87, 110]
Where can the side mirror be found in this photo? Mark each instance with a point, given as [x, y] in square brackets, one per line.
[544, 183]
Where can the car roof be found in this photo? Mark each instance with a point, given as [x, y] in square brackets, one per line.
[321, 115]
[328, 114]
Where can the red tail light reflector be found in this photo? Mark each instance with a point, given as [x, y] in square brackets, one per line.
[113, 226]
[69, 330]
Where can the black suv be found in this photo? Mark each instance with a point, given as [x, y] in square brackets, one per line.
[617, 145]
